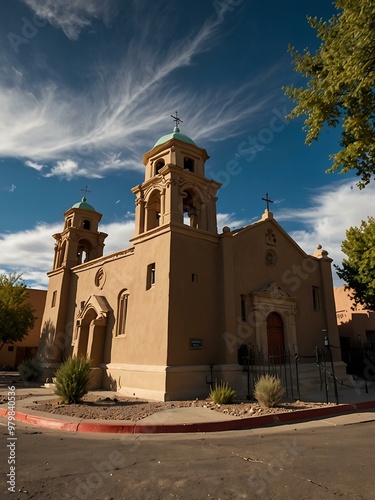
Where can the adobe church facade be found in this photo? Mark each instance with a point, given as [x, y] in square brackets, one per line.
[159, 318]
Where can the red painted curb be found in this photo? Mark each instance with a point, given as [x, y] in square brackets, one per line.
[229, 425]
[106, 428]
[365, 405]
[315, 412]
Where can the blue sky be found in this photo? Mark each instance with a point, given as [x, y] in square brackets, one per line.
[88, 86]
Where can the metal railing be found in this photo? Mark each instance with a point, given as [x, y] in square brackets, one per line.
[283, 365]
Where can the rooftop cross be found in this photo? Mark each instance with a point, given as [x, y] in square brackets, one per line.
[268, 201]
[85, 190]
[177, 119]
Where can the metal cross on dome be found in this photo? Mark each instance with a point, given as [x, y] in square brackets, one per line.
[268, 201]
[177, 119]
[85, 190]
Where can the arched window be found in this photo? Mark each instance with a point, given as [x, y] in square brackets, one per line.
[86, 224]
[153, 210]
[159, 165]
[189, 164]
[122, 311]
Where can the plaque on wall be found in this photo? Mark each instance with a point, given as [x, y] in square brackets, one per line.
[196, 344]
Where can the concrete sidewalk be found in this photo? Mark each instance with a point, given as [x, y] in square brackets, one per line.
[354, 406]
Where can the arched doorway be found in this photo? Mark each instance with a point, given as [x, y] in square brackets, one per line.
[83, 337]
[275, 337]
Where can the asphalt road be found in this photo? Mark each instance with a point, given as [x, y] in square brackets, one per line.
[292, 462]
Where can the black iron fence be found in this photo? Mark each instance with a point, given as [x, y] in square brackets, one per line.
[360, 360]
[283, 365]
[324, 361]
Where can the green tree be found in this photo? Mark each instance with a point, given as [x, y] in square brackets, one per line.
[341, 85]
[358, 270]
[16, 312]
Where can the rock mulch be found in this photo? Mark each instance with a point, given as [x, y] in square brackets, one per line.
[123, 408]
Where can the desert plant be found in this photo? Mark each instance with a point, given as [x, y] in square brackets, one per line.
[29, 370]
[222, 394]
[72, 379]
[268, 391]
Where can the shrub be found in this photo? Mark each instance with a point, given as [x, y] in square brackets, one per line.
[268, 391]
[222, 394]
[72, 379]
[29, 370]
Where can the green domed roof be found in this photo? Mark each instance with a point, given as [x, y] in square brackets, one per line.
[83, 205]
[176, 134]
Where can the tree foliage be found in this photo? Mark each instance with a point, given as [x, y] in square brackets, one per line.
[358, 270]
[341, 85]
[16, 312]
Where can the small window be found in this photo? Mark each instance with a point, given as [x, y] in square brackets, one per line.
[316, 298]
[86, 224]
[151, 275]
[194, 278]
[243, 308]
[54, 295]
[189, 164]
[10, 348]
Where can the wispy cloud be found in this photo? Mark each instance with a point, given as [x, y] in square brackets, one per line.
[69, 169]
[333, 209]
[32, 164]
[72, 16]
[125, 105]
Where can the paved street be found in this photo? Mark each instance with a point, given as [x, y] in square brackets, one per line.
[300, 461]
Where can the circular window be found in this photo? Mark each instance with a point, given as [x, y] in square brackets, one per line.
[271, 258]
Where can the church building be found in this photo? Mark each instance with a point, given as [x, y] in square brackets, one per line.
[162, 317]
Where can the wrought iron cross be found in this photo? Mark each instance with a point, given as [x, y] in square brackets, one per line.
[85, 191]
[177, 119]
[268, 201]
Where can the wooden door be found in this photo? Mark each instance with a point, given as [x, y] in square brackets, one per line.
[275, 337]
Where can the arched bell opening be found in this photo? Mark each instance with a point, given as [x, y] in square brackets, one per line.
[158, 166]
[153, 210]
[192, 209]
[83, 251]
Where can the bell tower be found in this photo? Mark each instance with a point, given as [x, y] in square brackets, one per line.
[175, 190]
[79, 242]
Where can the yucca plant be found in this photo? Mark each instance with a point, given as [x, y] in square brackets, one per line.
[268, 391]
[72, 379]
[222, 394]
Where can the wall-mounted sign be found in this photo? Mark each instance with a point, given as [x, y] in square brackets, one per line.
[196, 344]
